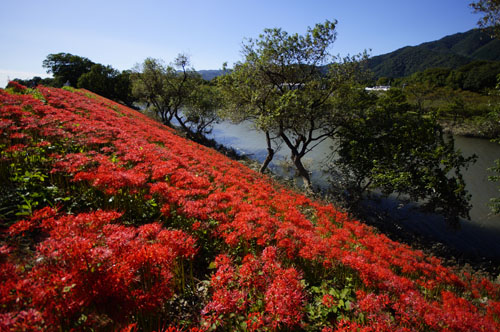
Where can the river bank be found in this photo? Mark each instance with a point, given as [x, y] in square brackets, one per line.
[384, 222]
[474, 129]
[454, 249]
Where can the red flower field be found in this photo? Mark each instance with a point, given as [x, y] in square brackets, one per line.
[110, 221]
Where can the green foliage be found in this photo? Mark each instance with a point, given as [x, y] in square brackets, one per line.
[202, 107]
[36, 80]
[66, 67]
[283, 89]
[83, 73]
[449, 52]
[475, 76]
[491, 15]
[330, 304]
[495, 201]
[69, 88]
[107, 82]
[463, 112]
[397, 150]
[168, 89]
[479, 75]
[26, 183]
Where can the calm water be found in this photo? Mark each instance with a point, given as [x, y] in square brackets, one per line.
[479, 236]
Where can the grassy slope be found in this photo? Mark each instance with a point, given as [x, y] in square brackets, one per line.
[168, 232]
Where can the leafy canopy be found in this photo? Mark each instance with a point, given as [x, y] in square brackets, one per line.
[107, 82]
[176, 92]
[491, 11]
[286, 85]
[67, 67]
[390, 147]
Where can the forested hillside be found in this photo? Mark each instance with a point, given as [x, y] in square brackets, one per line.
[449, 52]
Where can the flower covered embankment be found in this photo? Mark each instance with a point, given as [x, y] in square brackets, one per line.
[111, 221]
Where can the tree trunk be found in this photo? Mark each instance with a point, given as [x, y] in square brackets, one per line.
[297, 161]
[184, 127]
[297, 157]
[270, 154]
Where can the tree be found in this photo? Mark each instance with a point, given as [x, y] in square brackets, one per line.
[248, 97]
[66, 67]
[123, 88]
[480, 75]
[383, 81]
[391, 147]
[421, 94]
[36, 80]
[201, 110]
[99, 80]
[108, 82]
[148, 85]
[168, 89]
[491, 19]
[491, 11]
[282, 84]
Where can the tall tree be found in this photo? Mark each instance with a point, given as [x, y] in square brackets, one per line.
[100, 79]
[286, 84]
[66, 67]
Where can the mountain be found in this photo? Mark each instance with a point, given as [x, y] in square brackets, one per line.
[210, 74]
[449, 52]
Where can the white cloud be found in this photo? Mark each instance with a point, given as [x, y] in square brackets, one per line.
[6, 75]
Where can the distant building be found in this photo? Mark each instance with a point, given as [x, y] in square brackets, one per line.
[378, 88]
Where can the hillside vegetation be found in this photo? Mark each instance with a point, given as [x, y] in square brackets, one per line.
[111, 221]
[449, 52]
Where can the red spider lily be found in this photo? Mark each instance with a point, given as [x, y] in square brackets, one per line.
[86, 263]
[258, 280]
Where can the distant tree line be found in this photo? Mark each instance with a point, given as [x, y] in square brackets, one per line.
[477, 76]
[463, 98]
[80, 72]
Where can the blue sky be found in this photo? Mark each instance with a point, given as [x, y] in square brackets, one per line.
[123, 33]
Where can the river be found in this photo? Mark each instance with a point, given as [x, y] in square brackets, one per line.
[478, 236]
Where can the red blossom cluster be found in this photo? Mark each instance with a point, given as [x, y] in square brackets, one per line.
[90, 271]
[17, 87]
[83, 263]
[259, 293]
